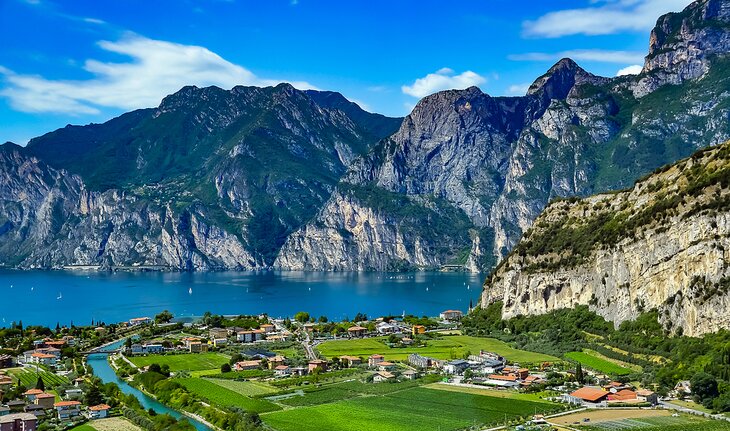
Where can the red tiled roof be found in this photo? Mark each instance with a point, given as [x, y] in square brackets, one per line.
[99, 407]
[66, 404]
[589, 394]
[622, 395]
[45, 396]
[33, 392]
[505, 378]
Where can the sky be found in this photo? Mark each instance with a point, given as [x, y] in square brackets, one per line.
[80, 62]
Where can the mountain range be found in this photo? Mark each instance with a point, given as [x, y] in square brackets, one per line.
[281, 178]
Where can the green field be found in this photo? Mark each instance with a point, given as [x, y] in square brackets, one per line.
[598, 364]
[417, 408]
[446, 347]
[342, 391]
[83, 427]
[225, 397]
[29, 378]
[667, 423]
[248, 388]
[187, 362]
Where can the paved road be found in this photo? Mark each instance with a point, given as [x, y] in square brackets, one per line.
[670, 406]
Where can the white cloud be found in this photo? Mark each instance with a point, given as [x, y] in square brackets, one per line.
[598, 55]
[156, 68]
[604, 17]
[442, 79]
[518, 89]
[630, 70]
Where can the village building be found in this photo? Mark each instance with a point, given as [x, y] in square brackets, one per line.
[387, 328]
[43, 359]
[198, 347]
[220, 342]
[647, 396]
[7, 361]
[586, 394]
[317, 364]
[383, 376]
[350, 361]
[410, 374]
[374, 360]
[100, 411]
[419, 361]
[30, 394]
[275, 361]
[356, 331]
[282, 371]
[139, 321]
[246, 365]
[451, 315]
[456, 366]
[18, 422]
[268, 328]
[418, 329]
[67, 409]
[502, 381]
[218, 333]
[386, 366]
[45, 400]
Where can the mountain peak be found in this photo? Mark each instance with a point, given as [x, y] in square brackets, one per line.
[557, 82]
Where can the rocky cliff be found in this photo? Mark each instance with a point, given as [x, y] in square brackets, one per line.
[211, 179]
[491, 164]
[663, 244]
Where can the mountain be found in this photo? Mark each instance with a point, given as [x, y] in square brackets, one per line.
[211, 179]
[466, 174]
[277, 177]
[663, 244]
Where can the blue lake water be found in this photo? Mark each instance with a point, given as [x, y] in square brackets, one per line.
[104, 371]
[48, 297]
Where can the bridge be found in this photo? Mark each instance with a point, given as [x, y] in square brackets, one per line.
[101, 350]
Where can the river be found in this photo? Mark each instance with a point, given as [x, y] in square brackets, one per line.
[50, 297]
[104, 371]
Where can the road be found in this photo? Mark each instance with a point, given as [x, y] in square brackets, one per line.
[670, 406]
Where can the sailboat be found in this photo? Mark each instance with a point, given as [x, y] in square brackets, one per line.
[60, 295]
[190, 291]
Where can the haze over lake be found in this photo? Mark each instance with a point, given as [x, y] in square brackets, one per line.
[48, 297]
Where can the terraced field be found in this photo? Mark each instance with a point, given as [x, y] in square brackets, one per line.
[29, 378]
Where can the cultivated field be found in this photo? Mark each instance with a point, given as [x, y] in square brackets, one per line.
[29, 377]
[225, 397]
[446, 347]
[109, 424]
[187, 362]
[414, 408]
[663, 423]
[590, 360]
[246, 388]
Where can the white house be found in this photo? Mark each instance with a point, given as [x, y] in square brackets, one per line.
[99, 412]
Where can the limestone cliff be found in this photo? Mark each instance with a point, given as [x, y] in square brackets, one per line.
[663, 244]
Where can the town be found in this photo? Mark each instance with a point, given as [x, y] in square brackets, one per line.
[279, 372]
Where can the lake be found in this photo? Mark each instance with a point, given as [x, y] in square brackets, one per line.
[48, 297]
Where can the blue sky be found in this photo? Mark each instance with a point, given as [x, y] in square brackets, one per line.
[84, 61]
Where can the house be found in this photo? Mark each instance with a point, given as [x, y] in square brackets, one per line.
[299, 371]
[43, 358]
[69, 339]
[99, 412]
[275, 361]
[18, 422]
[6, 361]
[387, 328]
[615, 387]
[586, 394]
[153, 348]
[30, 394]
[218, 333]
[247, 365]
[457, 366]
[74, 394]
[530, 380]
[15, 405]
[383, 376]
[45, 400]
[220, 342]
[351, 361]
[419, 361]
[410, 374]
[198, 347]
[406, 341]
[139, 321]
[451, 315]
[647, 396]
[623, 395]
[35, 410]
[245, 337]
[137, 349]
[67, 409]
[374, 360]
[267, 328]
[683, 388]
[4, 410]
[5, 383]
[386, 366]
[282, 371]
[317, 364]
[418, 329]
[502, 381]
[356, 331]
[488, 359]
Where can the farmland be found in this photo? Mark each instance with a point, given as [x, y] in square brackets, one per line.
[445, 347]
[659, 423]
[186, 362]
[247, 388]
[406, 409]
[590, 360]
[29, 377]
[225, 397]
[108, 424]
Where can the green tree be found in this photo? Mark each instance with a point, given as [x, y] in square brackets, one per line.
[226, 368]
[40, 385]
[302, 317]
[704, 388]
[579, 377]
[93, 395]
[164, 317]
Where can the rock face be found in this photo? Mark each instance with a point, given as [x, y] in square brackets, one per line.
[495, 162]
[209, 180]
[664, 244]
[276, 177]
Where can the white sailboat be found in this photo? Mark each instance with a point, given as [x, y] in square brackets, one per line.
[190, 291]
[60, 295]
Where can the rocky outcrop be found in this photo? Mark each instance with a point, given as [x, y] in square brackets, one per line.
[664, 244]
[499, 160]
